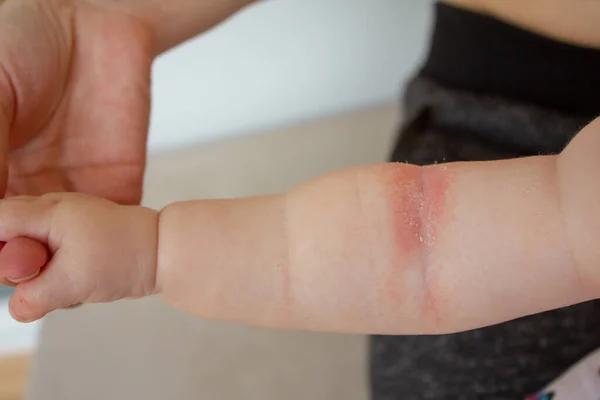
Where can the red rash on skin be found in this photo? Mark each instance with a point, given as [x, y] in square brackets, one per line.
[405, 202]
[418, 196]
[435, 182]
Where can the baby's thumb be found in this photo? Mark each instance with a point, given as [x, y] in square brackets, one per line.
[53, 289]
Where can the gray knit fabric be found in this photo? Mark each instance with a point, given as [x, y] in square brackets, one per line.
[507, 361]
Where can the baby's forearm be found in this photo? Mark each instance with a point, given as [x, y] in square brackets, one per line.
[225, 259]
[390, 248]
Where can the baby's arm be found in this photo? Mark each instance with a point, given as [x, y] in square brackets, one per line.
[394, 248]
[382, 249]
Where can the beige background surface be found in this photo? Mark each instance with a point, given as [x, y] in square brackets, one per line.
[146, 350]
[13, 374]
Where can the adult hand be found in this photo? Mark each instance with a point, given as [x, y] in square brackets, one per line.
[74, 99]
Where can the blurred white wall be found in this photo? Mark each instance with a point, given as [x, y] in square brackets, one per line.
[285, 61]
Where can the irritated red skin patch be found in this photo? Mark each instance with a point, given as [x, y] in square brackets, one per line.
[435, 185]
[405, 201]
[417, 198]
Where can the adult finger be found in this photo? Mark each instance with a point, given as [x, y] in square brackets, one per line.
[21, 259]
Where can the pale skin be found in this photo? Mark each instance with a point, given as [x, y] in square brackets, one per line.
[379, 249]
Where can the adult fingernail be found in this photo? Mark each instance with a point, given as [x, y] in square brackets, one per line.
[27, 278]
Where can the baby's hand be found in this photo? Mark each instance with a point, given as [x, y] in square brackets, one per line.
[97, 251]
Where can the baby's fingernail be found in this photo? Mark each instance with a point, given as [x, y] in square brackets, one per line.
[20, 280]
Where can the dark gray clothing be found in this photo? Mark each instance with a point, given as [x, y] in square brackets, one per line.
[510, 360]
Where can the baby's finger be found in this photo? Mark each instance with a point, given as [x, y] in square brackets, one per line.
[21, 259]
[53, 289]
[26, 217]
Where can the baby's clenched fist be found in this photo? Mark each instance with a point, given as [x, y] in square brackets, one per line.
[97, 251]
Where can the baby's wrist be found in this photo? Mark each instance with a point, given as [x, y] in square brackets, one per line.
[161, 270]
[145, 252]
